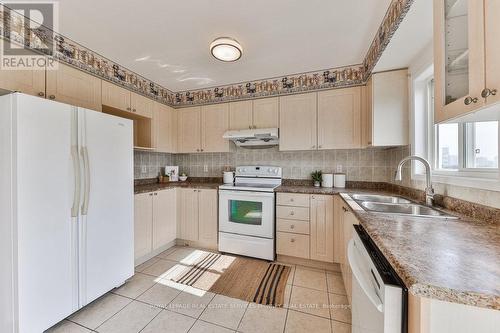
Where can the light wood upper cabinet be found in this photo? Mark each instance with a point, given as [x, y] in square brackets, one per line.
[385, 117]
[208, 229]
[259, 113]
[164, 218]
[188, 214]
[141, 105]
[266, 112]
[298, 122]
[339, 118]
[240, 115]
[72, 86]
[143, 227]
[115, 96]
[492, 33]
[27, 81]
[322, 228]
[459, 57]
[165, 128]
[189, 129]
[214, 122]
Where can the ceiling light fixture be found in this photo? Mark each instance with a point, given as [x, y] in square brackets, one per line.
[226, 49]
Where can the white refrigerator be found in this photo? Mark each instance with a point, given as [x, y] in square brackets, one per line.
[66, 209]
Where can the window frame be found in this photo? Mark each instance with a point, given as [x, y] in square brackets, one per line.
[483, 178]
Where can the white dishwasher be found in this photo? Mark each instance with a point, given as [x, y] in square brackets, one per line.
[379, 298]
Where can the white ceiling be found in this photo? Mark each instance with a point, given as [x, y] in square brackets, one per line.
[413, 35]
[167, 41]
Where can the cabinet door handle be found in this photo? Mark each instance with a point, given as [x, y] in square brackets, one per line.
[292, 240]
[128, 109]
[469, 100]
[150, 194]
[41, 94]
[201, 149]
[314, 146]
[292, 226]
[291, 199]
[52, 97]
[487, 92]
[344, 209]
[133, 110]
[320, 146]
[292, 213]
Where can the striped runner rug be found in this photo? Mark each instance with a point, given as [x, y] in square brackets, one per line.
[251, 280]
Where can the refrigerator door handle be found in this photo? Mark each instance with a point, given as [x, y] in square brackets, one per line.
[77, 190]
[86, 171]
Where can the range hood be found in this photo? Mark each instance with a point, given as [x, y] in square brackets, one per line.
[254, 138]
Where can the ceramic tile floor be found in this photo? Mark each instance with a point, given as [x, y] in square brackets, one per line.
[149, 302]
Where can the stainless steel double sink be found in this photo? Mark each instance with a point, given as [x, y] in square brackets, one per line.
[396, 205]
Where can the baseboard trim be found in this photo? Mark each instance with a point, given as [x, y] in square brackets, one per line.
[309, 263]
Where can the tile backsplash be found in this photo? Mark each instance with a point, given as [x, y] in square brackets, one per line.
[147, 164]
[371, 164]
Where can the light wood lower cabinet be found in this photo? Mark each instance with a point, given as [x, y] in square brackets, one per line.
[304, 226]
[208, 217]
[322, 227]
[154, 221]
[72, 86]
[294, 245]
[188, 214]
[143, 224]
[343, 233]
[164, 218]
[198, 216]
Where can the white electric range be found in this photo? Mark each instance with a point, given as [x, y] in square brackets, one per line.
[246, 212]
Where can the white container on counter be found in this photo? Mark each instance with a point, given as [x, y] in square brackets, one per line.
[228, 177]
[339, 180]
[327, 180]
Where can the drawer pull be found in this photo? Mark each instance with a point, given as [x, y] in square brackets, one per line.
[292, 227]
[291, 199]
[292, 213]
[292, 240]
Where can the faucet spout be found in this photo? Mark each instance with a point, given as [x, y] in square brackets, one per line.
[429, 190]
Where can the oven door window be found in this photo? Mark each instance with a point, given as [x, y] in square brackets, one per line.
[245, 212]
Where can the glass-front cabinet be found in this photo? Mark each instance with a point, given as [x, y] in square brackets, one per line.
[466, 56]
[458, 57]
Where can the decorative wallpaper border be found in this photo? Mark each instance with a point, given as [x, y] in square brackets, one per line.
[284, 85]
[393, 17]
[77, 55]
[74, 54]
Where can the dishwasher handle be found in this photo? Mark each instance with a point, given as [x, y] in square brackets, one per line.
[358, 275]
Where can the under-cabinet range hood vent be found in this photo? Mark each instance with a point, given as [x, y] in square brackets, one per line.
[254, 138]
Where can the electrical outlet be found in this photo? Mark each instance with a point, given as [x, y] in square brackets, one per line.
[339, 168]
[144, 169]
[205, 168]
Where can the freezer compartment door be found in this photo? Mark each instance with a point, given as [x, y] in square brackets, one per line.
[107, 210]
[44, 132]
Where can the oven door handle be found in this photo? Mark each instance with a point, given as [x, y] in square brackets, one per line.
[246, 193]
[358, 275]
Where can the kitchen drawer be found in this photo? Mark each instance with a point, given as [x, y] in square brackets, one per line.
[293, 226]
[293, 245]
[292, 213]
[292, 199]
